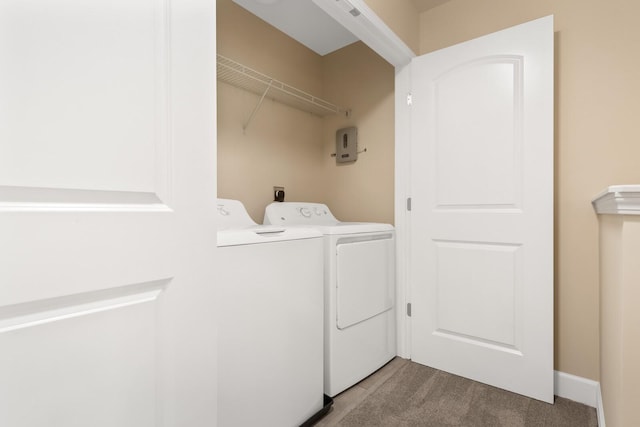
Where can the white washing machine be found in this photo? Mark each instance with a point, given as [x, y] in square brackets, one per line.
[270, 338]
[359, 279]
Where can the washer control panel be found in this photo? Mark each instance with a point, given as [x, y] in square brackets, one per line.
[232, 214]
[298, 213]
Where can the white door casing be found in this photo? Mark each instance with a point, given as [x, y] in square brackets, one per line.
[481, 251]
[107, 202]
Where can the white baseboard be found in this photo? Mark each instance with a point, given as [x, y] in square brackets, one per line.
[600, 409]
[581, 390]
[575, 388]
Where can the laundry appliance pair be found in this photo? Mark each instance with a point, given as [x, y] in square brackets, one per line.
[306, 310]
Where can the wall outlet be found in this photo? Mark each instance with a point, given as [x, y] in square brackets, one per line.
[278, 194]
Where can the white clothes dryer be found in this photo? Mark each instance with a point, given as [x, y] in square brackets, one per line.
[270, 330]
[359, 280]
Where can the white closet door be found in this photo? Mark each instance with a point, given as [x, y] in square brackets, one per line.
[107, 201]
[482, 218]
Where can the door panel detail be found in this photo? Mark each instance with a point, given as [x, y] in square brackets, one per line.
[39, 312]
[103, 354]
[466, 177]
[86, 137]
[26, 199]
[477, 291]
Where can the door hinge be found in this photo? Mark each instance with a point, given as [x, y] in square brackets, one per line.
[408, 309]
[409, 203]
[409, 99]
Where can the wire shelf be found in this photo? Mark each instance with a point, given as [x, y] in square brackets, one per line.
[254, 81]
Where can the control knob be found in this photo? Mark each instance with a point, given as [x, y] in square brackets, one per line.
[305, 212]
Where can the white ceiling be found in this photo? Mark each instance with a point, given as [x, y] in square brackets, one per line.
[305, 22]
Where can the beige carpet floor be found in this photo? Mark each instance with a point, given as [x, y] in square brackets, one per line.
[404, 393]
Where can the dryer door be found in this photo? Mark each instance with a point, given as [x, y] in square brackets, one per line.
[364, 278]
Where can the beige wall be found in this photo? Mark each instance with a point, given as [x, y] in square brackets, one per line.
[357, 77]
[282, 146]
[401, 16]
[287, 147]
[597, 109]
[620, 323]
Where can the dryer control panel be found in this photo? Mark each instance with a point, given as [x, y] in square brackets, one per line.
[299, 213]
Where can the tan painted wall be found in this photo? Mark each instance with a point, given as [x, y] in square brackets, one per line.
[597, 109]
[402, 17]
[286, 147]
[282, 146]
[620, 322]
[357, 77]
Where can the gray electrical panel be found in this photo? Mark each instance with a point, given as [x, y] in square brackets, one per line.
[347, 145]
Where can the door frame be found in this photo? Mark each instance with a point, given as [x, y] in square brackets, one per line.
[371, 30]
[402, 195]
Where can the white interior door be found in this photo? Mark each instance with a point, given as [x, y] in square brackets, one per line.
[107, 202]
[482, 216]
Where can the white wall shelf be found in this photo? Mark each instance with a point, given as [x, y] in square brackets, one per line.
[238, 75]
[618, 199]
